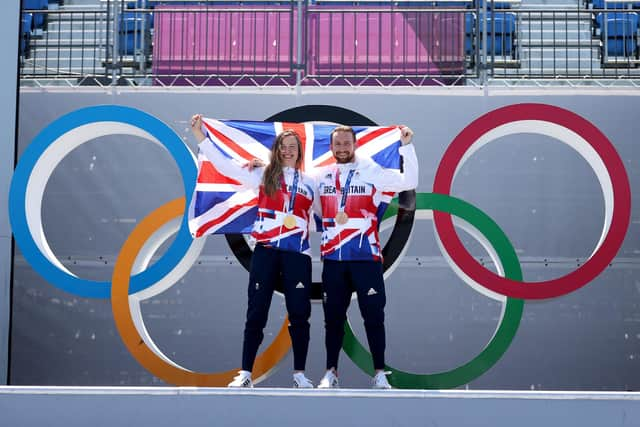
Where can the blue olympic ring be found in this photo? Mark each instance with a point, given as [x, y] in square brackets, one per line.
[47, 139]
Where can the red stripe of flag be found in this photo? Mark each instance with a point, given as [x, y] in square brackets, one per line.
[210, 175]
[372, 135]
[229, 143]
[203, 229]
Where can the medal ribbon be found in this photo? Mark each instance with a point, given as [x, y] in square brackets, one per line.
[345, 193]
[294, 189]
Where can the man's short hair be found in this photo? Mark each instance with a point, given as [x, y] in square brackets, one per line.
[343, 128]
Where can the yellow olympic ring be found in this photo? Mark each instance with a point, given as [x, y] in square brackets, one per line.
[168, 372]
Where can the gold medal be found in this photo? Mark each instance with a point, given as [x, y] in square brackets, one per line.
[289, 221]
[342, 218]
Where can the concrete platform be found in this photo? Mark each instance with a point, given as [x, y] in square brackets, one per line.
[181, 406]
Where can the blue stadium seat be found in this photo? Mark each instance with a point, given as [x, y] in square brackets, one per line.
[469, 33]
[35, 4]
[624, 46]
[600, 4]
[502, 22]
[140, 4]
[27, 23]
[500, 45]
[501, 33]
[495, 4]
[129, 31]
[618, 24]
[38, 18]
[25, 34]
[501, 30]
[621, 33]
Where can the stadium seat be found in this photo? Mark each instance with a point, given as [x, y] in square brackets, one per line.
[621, 33]
[131, 35]
[25, 34]
[469, 33]
[502, 22]
[38, 18]
[490, 4]
[600, 4]
[500, 44]
[35, 4]
[457, 5]
[501, 31]
[618, 24]
[626, 46]
[143, 4]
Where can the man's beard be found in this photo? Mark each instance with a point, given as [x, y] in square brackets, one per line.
[349, 160]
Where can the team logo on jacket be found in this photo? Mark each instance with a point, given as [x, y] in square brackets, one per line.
[328, 189]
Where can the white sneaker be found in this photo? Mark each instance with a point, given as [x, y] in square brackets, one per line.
[330, 380]
[300, 381]
[242, 380]
[380, 380]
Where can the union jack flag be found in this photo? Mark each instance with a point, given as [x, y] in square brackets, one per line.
[222, 205]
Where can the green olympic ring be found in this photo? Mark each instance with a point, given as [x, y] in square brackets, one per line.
[509, 322]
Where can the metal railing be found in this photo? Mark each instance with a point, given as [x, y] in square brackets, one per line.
[52, 51]
[330, 42]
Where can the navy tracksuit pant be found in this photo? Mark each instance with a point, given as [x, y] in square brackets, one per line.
[339, 280]
[268, 267]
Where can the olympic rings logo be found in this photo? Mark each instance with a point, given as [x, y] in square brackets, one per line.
[132, 281]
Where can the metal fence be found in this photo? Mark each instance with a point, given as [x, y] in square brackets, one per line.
[330, 42]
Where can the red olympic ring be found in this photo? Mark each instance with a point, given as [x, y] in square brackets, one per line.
[456, 153]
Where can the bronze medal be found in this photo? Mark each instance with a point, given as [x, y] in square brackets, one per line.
[341, 218]
[289, 221]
